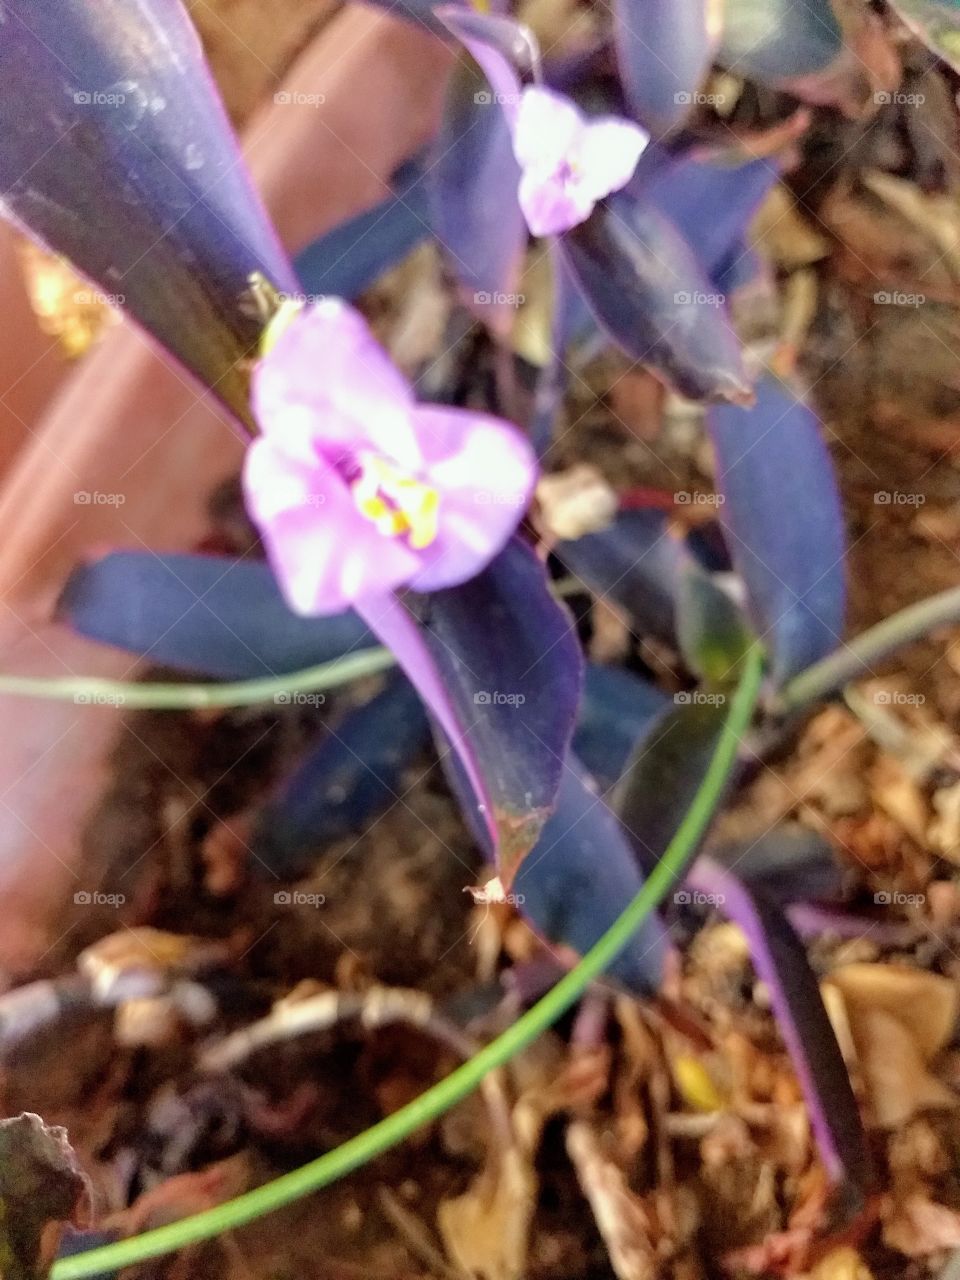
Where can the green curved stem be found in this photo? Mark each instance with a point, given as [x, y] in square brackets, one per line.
[858, 657]
[182, 695]
[185, 696]
[441, 1097]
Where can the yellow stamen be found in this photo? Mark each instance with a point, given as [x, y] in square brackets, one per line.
[397, 503]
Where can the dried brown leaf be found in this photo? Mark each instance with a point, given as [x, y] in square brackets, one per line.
[40, 1183]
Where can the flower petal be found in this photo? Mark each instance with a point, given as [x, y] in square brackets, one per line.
[324, 553]
[547, 129]
[485, 471]
[608, 154]
[551, 205]
[328, 365]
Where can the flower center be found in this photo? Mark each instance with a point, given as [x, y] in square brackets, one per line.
[396, 502]
[568, 172]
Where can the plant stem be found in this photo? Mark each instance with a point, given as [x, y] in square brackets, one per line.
[185, 696]
[857, 657]
[441, 1097]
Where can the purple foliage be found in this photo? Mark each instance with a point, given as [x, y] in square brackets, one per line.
[789, 553]
[117, 153]
[498, 664]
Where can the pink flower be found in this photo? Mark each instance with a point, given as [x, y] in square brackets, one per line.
[358, 490]
[568, 161]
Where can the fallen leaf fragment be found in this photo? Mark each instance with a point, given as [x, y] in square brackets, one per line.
[40, 1183]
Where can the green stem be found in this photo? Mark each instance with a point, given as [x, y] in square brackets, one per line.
[859, 656]
[184, 696]
[441, 1097]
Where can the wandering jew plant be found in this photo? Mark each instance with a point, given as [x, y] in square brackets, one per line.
[397, 514]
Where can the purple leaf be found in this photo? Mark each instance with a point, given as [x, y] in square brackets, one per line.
[781, 962]
[663, 52]
[783, 522]
[206, 614]
[421, 13]
[344, 783]
[505, 50]
[473, 195]
[570, 318]
[789, 863]
[580, 876]
[499, 666]
[116, 153]
[644, 285]
[635, 562]
[353, 255]
[616, 711]
[777, 40]
[682, 186]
